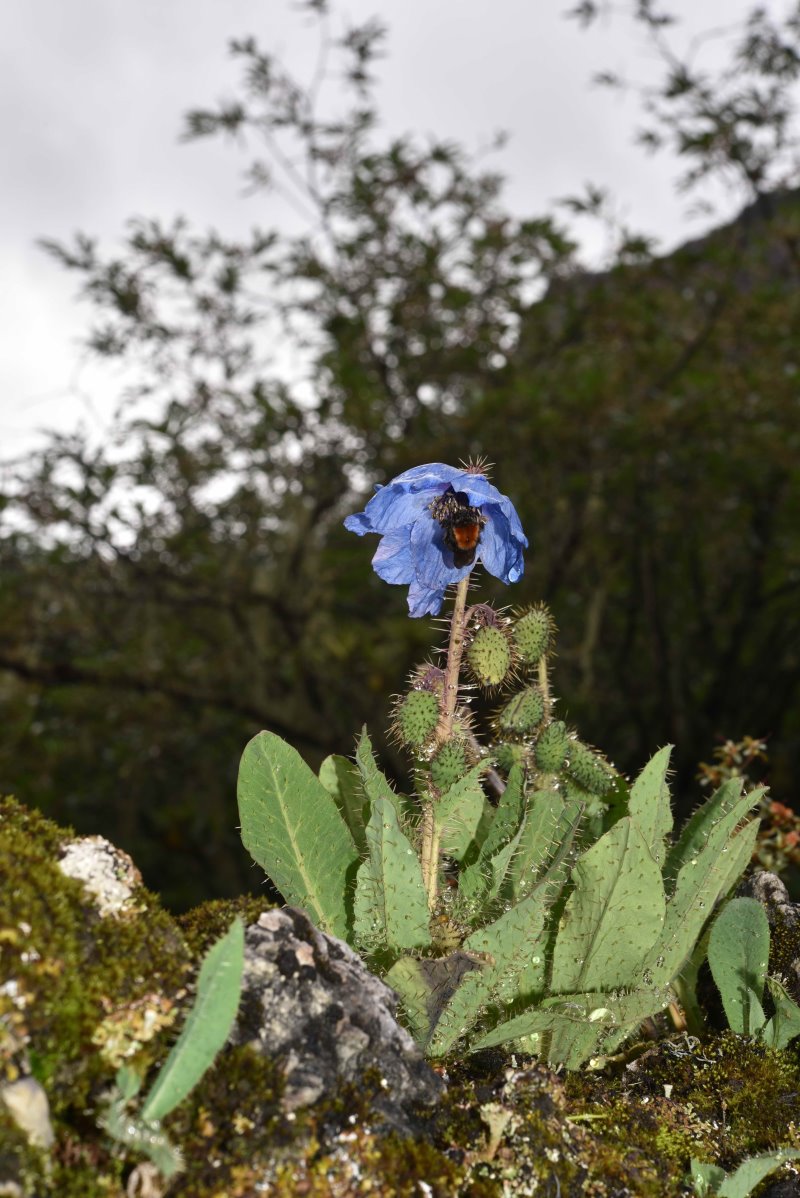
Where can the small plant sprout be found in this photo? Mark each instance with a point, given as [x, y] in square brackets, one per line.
[526, 894]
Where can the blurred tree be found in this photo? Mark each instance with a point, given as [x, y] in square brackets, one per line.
[164, 596]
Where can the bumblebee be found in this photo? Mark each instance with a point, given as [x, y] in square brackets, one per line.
[462, 525]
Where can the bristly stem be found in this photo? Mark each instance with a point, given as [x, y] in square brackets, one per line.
[453, 667]
[430, 837]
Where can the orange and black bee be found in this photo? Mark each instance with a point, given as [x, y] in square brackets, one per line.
[462, 525]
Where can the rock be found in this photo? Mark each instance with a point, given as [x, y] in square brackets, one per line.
[30, 1110]
[308, 1001]
[107, 873]
[784, 922]
[773, 896]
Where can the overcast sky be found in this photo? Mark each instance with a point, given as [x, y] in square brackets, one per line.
[92, 94]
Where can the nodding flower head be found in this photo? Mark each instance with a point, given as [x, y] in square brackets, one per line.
[435, 522]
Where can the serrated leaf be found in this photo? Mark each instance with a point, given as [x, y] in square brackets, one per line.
[744, 1180]
[207, 1026]
[342, 780]
[375, 781]
[480, 881]
[459, 811]
[705, 1178]
[503, 951]
[292, 828]
[614, 915]
[738, 952]
[785, 1023]
[391, 907]
[649, 803]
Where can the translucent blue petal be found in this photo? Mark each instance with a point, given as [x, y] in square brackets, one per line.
[429, 475]
[432, 559]
[392, 507]
[424, 601]
[500, 552]
[393, 561]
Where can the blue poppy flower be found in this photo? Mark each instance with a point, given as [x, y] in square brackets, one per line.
[435, 522]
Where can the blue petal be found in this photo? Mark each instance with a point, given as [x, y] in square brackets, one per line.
[424, 601]
[392, 507]
[500, 552]
[393, 560]
[432, 558]
[429, 475]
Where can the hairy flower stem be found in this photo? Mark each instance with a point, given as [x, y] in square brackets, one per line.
[452, 670]
[429, 855]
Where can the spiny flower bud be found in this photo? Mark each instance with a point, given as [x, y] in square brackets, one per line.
[534, 634]
[589, 769]
[416, 718]
[507, 756]
[489, 655]
[449, 764]
[522, 712]
[551, 747]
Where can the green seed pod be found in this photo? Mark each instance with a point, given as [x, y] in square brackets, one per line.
[489, 655]
[534, 634]
[507, 756]
[522, 712]
[589, 769]
[448, 764]
[552, 746]
[417, 717]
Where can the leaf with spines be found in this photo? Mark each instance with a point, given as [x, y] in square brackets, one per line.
[292, 828]
[738, 952]
[784, 1025]
[704, 878]
[695, 833]
[649, 803]
[391, 908]
[506, 947]
[342, 780]
[613, 917]
[207, 1026]
[481, 878]
[547, 837]
[459, 811]
[744, 1179]
[375, 781]
[426, 986]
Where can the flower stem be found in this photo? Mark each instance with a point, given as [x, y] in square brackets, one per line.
[430, 836]
[454, 652]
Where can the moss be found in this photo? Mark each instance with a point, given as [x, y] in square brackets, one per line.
[72, 969]
[204, 924]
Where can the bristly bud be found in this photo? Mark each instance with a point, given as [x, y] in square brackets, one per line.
[522, 713]
[534, 634]
[416, 717]
[589, 769]
[449, 763]
[508, 755]
[489, 655]
[551, 747]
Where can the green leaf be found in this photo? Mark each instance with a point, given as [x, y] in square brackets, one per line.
[342, 780]
[649, 803]
[375, 782]
[547, 833]
[505, 948]
[697, 830]
[614, 915]
[738, 953]
[480, 881]
[207, 1027]
[292, 828]
[702, 879]
[744, 1180]
[391, 907]
[459, 812]
[705, 1178]
[426, 986]
[785, 1023]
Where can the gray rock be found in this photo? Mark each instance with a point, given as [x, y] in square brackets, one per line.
[308, 1001]
[28, 1106]
[783, 916]
[107, 873]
